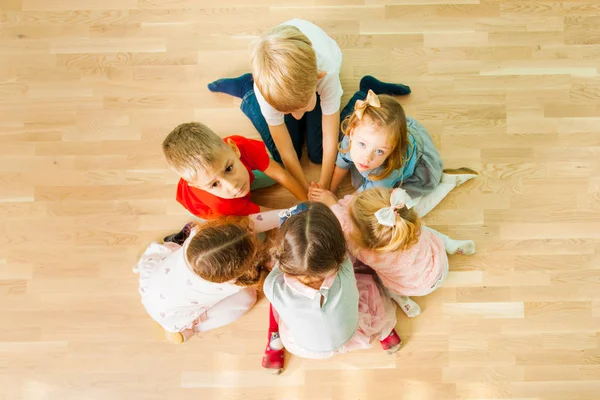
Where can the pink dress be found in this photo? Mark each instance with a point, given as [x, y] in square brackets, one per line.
[354, 314]
[416, 271]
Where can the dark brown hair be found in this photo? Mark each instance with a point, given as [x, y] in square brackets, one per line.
[225, 249]
[311, 243]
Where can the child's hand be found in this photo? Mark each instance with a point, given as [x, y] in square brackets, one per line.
[312, 186]
[322, 196]
[323, 185]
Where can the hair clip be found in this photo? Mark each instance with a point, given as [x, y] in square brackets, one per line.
[290, 212]
[361, 105]
[398, 200]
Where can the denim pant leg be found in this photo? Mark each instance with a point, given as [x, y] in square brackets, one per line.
[349, 107]
[314, 133]
[251, 109]
[296, 130]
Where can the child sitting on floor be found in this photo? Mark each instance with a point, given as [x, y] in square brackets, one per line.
[382, 147]
[323, 308]
[217, 174]
[211, 280]
[385, 233]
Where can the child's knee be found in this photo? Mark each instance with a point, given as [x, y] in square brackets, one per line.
[315, 156]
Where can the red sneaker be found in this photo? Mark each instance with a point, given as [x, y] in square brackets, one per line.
[392, 343]
[273, 358]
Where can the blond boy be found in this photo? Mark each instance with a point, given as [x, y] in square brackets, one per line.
[217, 174]
[296, 89]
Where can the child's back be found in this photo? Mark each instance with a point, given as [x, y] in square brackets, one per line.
[172, 293]
[385, 233]
[412, 272]
[273, 71]
[208, 282]
[322, 319]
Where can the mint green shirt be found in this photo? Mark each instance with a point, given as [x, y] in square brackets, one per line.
[314, 326]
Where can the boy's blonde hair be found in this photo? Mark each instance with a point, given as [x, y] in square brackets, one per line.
[284, 68]
[389, 115]
[190, 148]
[369, 233]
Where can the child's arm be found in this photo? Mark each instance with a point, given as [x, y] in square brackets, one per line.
[264, 221]
[338, 176]
[331, 128]
[275, 171]
[282, 140]
[323, 196]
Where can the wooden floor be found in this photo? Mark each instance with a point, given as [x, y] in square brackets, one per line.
[88, 90]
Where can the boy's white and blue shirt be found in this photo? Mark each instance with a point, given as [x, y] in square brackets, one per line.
[395, 179]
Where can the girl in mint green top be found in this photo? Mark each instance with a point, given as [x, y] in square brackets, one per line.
[323, 307]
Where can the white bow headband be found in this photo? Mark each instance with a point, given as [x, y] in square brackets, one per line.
[399, 199]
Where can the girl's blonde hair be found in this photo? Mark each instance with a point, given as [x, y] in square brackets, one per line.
[389, 115]
[226, 249]
[310, 243]
[369, 233]
[284, 68]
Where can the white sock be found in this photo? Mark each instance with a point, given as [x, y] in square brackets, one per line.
[449, 181]
[457, 179]
[466, 247]
[408, 305]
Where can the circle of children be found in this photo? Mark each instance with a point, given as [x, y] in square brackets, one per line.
[334, 268]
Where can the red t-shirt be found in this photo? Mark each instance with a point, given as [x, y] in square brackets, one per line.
[253, 154]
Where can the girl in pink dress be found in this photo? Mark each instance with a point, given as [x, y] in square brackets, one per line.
[386, 234]
[323, 308]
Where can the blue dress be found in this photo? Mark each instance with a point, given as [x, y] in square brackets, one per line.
[419, 175]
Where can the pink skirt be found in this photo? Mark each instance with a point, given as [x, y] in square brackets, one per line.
[377, 318]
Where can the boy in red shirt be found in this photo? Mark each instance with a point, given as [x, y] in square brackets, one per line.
[217, 174]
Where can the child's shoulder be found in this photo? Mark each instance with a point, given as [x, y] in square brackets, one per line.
[246, 144]
[243, 141]
[305, 26]
[253, 153]
[346, 268]
[413, 126]
[273, 283]
[275, 276]
[329, 54]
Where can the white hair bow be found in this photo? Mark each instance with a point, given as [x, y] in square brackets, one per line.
[399, 199]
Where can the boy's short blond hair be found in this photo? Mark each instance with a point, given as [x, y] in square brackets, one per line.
[284, 68]
[190, 148]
